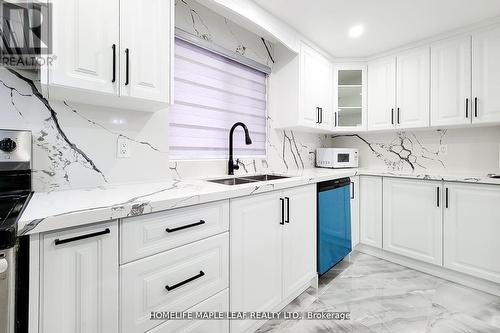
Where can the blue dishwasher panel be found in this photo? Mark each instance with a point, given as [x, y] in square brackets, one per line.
[334, 223]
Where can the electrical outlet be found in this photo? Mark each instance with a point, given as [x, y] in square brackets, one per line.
[123, 148]
[443, 150]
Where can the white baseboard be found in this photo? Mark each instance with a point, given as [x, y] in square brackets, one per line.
[439, 271]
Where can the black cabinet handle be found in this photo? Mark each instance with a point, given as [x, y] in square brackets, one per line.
[466, 108]
[127, 65]
[317, 115]
[197, 276]
[447, 196]
[114, 63]
[287, 209]
[437, 195]
[321, 115]
[335, 115]
[475, 107]
[352, 195]
[77, 238]
[282, 211]
[185, 226]
[392, 116]
[399, 117]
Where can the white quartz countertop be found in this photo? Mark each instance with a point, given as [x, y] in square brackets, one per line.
[69, 208]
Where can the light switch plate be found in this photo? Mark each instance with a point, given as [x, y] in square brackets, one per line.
[443, 150]
[123, 147]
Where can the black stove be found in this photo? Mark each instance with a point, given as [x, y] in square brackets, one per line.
[15, 192]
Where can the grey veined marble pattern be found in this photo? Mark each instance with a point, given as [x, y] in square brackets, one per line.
[388, 298]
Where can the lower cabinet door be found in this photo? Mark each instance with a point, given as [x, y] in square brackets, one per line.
[174, 280]
[472, 230]
[413, 219]
[255, 255]
[299, 238]
[79, 280]
[216, 303]
[354, 211]
[370, 211]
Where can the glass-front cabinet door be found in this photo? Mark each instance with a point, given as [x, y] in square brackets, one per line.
[350, 98]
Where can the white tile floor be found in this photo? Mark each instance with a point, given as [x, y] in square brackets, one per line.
[385, 297]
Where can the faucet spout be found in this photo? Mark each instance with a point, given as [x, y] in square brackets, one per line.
[231, 166]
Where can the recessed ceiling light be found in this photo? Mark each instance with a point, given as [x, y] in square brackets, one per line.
[356, 31]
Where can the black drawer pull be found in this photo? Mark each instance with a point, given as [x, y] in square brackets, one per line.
[466, 108]
[185, 226]
[287, 199]
[185, 281]
[352, 186]
[127, 68]
[475, 107]
[282, 211]
[114, 63]
[74, 239]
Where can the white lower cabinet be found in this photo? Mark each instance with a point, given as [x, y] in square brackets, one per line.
[370, 210]
[354, 211]
[79, 280]
[412, 219]
[174, 280]
[471, 230]
[273, 250]
[216, 303]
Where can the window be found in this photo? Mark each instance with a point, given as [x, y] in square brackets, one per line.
[211, 93]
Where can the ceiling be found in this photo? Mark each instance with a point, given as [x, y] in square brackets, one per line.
[387, 23]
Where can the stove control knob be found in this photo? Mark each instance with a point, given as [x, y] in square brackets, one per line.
[3, 265]
[7, 145]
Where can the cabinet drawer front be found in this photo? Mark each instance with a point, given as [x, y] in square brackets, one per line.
[193, 273]
[216, 303]
[145, 235]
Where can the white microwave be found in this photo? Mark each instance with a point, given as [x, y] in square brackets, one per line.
[337, 158]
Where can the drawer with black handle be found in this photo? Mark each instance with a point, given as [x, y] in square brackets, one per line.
[174, 280]
[146, 235]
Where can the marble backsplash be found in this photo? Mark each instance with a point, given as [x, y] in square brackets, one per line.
[473, 151]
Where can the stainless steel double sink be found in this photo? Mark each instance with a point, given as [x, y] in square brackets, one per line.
[246, 179]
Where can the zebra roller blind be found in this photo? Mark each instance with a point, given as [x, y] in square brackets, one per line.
[211, 93]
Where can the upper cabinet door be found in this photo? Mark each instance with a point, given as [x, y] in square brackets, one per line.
[146, 44]
[413, 82]
[349, 97]
[451, 81]
[381, 94]
[315, 88]
[486, 76]
[84, 33]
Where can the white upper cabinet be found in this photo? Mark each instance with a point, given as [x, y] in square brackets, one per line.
[146, 41]
[412, 223]
[381, 94]
[301, 90]
[412, 90]
[84, 34]
[349, 97]
[486, 76]
[316, 88]
[114, 53]
[471, 229]
[451, 81]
